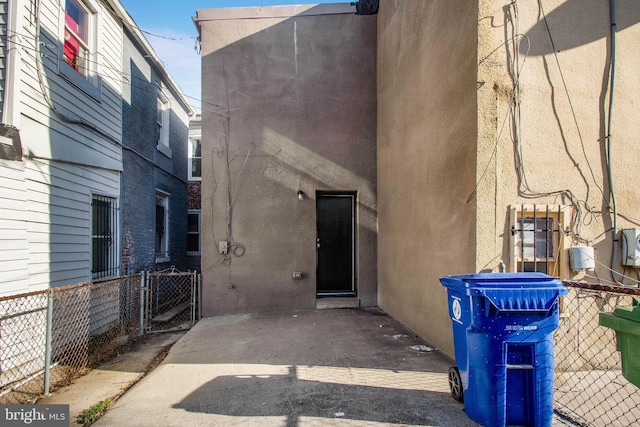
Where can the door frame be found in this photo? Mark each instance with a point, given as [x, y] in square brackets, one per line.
[353, 195]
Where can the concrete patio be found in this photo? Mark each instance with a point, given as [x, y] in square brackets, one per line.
[324, 367]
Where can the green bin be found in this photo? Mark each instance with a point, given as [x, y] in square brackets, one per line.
[625, 321]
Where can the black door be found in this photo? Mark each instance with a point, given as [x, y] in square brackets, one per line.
[335, 244]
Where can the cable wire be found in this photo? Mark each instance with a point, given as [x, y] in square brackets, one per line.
[125, 78]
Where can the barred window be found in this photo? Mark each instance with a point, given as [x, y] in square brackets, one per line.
[193, 232]
[104, 222]
[537, 239]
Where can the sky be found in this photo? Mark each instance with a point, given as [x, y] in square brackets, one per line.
[169, 28]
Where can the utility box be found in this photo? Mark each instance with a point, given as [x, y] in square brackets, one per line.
[631, 247]
[582, 258]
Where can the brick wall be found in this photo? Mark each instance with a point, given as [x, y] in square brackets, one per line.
[194, 194]
[146, 170]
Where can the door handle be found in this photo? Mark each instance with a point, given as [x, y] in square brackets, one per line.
[317, 242]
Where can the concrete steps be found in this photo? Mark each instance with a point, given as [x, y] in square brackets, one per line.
[331, 303]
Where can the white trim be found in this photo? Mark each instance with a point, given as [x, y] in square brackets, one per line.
[190, 158]
[166, 203]
[11, 102]
[86, 43]
[164, 138]
[92, 82]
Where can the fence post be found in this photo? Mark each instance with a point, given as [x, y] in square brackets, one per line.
[143, 284]
[199, 290]
[47, 349]
[193, 299]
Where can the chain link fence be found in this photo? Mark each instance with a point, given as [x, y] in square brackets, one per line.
[47, 338]
[171, 300]
[589, 387]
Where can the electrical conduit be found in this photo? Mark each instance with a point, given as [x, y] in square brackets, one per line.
[612, 194]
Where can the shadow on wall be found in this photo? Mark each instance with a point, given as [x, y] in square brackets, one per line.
[579, 32]
[295, 110]
[77, 153]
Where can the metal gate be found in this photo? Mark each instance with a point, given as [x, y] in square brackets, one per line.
[171, 300]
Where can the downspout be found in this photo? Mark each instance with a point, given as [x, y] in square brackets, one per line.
[612, 194]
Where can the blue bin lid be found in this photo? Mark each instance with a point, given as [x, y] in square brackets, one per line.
[509, 280]
[510, 291]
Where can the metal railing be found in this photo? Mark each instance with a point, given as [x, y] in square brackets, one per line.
[589, 387]
[51, 336]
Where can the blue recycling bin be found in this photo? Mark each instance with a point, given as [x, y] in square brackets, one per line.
[502, 330]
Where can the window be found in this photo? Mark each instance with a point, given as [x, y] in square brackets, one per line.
[195, 159]
[76, 36]
[104, 220]
[162, 227]
[80, 26]
[537, 239]
[162, 121]
[193, 232]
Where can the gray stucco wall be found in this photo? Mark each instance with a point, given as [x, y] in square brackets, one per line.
[427, 129]
[291, 106]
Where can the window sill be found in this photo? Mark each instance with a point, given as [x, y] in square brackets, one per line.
[164, 149]
[160, 260]
[79, 81]
[538, 259]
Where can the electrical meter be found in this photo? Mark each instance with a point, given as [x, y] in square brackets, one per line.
[631, 247]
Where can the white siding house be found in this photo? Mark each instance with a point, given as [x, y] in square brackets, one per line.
[67, 111]
[62, 82]
[61, 162]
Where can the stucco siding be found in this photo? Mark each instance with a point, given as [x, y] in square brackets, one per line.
[292, 107]
[427, 130]
[543, 112]
[546, 143]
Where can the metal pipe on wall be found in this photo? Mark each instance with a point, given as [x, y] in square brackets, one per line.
[612, 194]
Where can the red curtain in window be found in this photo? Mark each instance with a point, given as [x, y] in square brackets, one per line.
[71, 43]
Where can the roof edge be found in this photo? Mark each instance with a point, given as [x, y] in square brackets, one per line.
[132, 28]
[261, 12]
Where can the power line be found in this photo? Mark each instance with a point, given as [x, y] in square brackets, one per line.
[125, 77]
